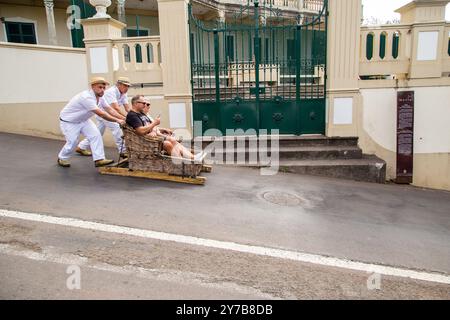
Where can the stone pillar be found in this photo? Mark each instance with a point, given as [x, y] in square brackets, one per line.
[344, 100]
[102, 57]
[49, 5]
[427, 18]
[176, 64]
[121, 14]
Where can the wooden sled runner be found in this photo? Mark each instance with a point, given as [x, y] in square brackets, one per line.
[146, 159]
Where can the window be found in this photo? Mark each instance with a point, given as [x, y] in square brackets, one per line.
[265, 57]
[448, 50]
[395, 45]
[159, 54]
[230, 48]
[291, 49]
[20, 32]
[369, 46]
[126, 53]
[319, 46]
[266, 50]
[138, 51]
[192, 42]
[257, 42]
[383, 45]
[137, 33]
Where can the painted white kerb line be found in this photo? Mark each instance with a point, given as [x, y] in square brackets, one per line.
[262, 251]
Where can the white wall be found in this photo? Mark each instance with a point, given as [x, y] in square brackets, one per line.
[39, 74]
[379, 116]
[431, 132]
[432, 118]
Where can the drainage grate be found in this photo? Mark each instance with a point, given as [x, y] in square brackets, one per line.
[282, 198]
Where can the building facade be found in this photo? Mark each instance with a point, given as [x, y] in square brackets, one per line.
[208, 66]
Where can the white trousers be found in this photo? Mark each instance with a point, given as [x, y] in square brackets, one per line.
[115, 131]
[72, 131]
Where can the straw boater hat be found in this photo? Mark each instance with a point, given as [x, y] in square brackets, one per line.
[99, 80]
[124, 80]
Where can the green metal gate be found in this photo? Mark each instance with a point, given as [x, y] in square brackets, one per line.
[264, 68]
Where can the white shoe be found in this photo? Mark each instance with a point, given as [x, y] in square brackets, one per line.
[199, 156]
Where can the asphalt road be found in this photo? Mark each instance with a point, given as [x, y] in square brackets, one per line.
[391, 225]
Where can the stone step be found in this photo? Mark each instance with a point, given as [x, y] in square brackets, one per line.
[337, 157]
[368, 168]
[283, 141]
[290, 153]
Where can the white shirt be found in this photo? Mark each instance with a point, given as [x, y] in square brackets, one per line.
[80, 108]
[113, 95]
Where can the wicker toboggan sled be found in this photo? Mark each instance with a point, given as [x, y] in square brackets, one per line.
[146, 159]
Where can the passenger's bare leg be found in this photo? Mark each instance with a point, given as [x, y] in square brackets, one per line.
[170, 149]
[184, 152]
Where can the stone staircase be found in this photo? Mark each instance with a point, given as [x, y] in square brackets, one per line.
[338, 157]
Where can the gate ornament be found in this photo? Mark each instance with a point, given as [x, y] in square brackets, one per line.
[238, 118]
[277, 117]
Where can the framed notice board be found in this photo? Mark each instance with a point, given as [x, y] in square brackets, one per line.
[405, 137]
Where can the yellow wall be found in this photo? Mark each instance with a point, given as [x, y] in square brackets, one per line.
[37, 15]
[34, 119]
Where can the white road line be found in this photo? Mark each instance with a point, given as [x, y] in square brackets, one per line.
[225, 245]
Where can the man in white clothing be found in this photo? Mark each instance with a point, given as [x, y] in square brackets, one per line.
[75, 120]
[116, 97]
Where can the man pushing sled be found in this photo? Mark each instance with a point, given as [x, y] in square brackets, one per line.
[75, 120]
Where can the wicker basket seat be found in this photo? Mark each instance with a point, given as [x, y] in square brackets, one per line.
[146, 154]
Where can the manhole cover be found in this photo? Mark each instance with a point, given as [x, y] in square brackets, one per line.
[282, 198]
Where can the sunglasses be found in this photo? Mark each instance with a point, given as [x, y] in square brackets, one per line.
[145, 103]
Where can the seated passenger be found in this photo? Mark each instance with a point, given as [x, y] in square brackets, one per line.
[144, 126]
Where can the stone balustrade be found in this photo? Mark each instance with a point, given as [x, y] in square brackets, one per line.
[138, 58]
